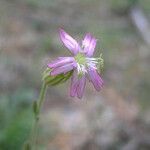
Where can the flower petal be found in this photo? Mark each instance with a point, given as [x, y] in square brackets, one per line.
[60, 62]
[69, 42]
[89, 44]
[81, 86]
[74, 84]
[95, 79]
[62, 69]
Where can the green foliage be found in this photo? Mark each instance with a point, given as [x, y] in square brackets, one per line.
[17, 131]
[15, 118]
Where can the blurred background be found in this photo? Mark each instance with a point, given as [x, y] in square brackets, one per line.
[118, 117]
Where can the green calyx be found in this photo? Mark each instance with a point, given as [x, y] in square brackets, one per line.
[55, 80]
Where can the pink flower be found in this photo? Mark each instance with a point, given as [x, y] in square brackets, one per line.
[83, 65]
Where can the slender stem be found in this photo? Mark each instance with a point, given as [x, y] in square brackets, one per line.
[36, 114]
[42, 94]
[34, 135]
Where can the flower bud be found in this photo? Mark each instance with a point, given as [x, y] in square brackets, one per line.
[55, 80]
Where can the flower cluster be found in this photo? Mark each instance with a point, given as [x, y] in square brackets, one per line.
[81, 66]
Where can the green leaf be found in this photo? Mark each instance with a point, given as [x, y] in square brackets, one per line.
[35, 107]
[27, 146]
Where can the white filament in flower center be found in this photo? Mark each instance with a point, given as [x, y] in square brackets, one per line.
[89, 63]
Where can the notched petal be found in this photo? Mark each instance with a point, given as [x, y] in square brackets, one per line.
[74, 84]
[69, 42]
[60, 62]
[89, 44]
[62, 69]
[96, 79]
[81, 87]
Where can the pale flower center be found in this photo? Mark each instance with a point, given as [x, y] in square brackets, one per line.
[83, 63]
[80, 59]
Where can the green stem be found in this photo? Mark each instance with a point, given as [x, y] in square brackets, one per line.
[37, 110]
[41, 98]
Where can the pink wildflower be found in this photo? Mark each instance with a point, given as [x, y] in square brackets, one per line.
[83, 65]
